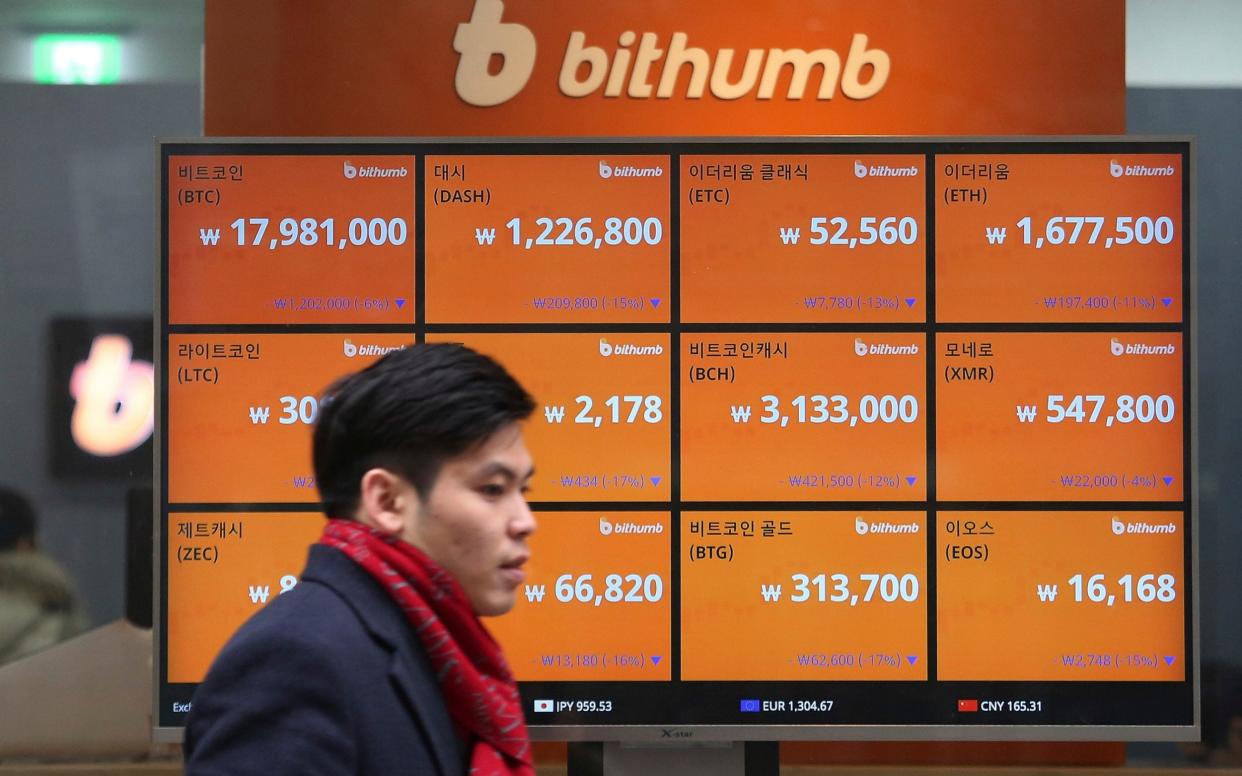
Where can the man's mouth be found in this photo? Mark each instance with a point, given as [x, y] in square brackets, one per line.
[513, 570]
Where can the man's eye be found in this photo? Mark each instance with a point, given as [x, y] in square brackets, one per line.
[492, 490]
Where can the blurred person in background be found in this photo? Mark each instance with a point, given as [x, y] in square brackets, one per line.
[38, 603]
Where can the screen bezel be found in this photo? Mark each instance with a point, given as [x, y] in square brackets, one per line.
[673, 147]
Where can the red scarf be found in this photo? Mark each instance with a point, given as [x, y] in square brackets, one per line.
[479, 690]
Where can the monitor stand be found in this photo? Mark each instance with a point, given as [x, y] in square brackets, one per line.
[653, 758]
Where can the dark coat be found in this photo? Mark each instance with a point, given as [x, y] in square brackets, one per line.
[327, 679]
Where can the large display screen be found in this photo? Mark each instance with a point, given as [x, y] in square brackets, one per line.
[833, 439]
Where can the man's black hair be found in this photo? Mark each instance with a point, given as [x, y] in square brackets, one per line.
[17, 519]
[408, 412]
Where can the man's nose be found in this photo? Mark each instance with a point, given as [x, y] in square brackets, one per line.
[524, 521]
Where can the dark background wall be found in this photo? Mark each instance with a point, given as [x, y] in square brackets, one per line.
[77, 237]
[1213, 116]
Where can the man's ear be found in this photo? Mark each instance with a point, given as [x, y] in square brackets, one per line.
[386, 501]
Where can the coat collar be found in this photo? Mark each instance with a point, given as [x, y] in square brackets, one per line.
[409, 668]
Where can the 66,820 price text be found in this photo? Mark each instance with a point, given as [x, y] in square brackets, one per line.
[618, 589]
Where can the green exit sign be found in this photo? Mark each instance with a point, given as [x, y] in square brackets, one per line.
[77, 59]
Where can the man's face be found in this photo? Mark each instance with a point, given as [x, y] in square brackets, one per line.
[475, 520]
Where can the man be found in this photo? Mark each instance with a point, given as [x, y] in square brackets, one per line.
[38, 603]
[377, 663]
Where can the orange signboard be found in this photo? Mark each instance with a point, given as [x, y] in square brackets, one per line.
[1061, 596]
[222, 568]
[803, 238]
[1058, 238]
[291, 239]
[803, 417]
[821, 596]
[601, 421]
[256, 396]
[655, 69]
[596, 602]
[557, 238]
[1059, 416]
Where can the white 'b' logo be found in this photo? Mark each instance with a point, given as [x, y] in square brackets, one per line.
[604, 348]
[860, 526]
[350, 170]
[605, 527]
[1114, 168]
[860, 347]
[1116, 348]
[351, 349]
[1118, 527]
[605, 170]
[481, 37]
[860, 169]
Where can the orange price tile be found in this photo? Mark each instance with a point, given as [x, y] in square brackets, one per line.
[544, 239]
[222, 568]
[803, 238]
[803, 417]
[1059, 237]
[291, 239]
[600, 430]
[1060, 596]
[595, 605]
[241, 408]
[804, 596]
[1059, 417]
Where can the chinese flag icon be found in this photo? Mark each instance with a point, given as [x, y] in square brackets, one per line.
[968, 705]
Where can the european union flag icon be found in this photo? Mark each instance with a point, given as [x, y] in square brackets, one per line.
[750, 704]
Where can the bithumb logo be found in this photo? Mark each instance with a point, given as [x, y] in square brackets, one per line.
[608, 528]
[585, 70]
[607, 349]
[115, 409]
[883, 349]
[1120, 527]
[483, 37]
[351, 350]
[1117, 170]
[606, 170]
[350, 171]
[1118, 348]
[862, 527]
[883, 171]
